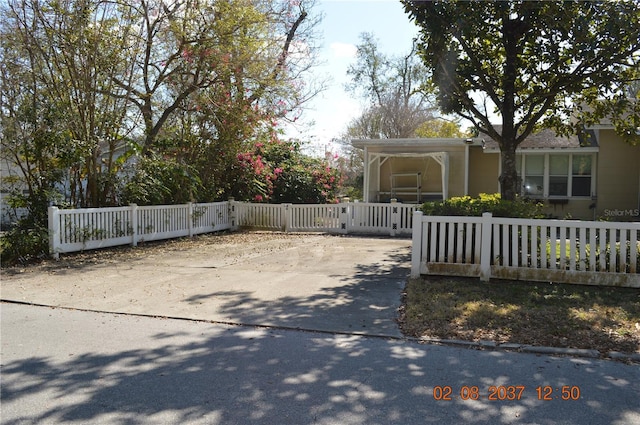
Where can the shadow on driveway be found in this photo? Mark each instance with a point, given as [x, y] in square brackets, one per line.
[106, 369]
[363, 302]
[314, 282]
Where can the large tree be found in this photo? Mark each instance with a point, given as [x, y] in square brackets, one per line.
[86, 83]
[211, 78]
[209, 54]
[391, 86]
[524, 61]
[55, 57]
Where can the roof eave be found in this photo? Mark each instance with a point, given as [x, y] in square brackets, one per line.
[470, 141]
[549, 150]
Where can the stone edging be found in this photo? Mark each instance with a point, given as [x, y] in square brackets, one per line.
[524, 348]
[491, 345]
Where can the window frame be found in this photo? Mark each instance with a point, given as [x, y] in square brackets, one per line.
[591, 175]
[521, 158]
[566, 176]
[523, 175]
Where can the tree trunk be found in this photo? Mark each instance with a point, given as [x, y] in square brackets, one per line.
[509, 178]
[509, 187]
[149, 129]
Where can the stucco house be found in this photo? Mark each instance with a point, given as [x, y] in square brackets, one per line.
[584, 178]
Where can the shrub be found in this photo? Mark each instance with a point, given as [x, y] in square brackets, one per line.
[161, 181]
[492, 203]
[28, 238]
[279, 172]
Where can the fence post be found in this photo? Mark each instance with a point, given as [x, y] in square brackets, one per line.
[190, 218]
[286, 217]
[345, 212]
[416, 244]
[232, 214]
[54, 232]
[393, 225]
[485, 247]
[134, 224]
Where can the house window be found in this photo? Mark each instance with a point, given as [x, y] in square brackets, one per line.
[559, 175]
[581, 175]
[555, 175]
[533, 181]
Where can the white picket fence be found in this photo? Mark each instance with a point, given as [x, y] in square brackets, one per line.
[91, 228]
[568, 251]
[372, 218]
[585, 252]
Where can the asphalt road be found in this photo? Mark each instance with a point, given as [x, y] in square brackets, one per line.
[63, 366]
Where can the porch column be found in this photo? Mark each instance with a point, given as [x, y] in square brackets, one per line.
[367, 178]
[444, 166]
[372, 185]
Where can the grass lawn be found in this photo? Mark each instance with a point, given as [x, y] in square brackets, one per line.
[542, 314]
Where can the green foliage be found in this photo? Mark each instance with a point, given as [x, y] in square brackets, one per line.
[24, 243]
[161, 181]
[440, 128]
[56, 115]
[196, 82]
[492, 203]
[526, 59]
[279, 172]
[28, 238]
[585, 263]
[215, 75]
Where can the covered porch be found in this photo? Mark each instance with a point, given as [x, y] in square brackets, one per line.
[415, 170]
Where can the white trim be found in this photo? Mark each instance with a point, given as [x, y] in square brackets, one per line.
[548, 150]
[408, 154]
[432, 142]
[546, 175]
[365, 182]
[466, 170]
[442, 158]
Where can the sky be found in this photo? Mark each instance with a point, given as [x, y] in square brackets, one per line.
[327, 115]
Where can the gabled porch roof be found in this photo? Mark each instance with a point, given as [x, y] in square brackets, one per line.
[379, 151]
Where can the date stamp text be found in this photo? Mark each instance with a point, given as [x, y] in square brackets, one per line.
[505, 392]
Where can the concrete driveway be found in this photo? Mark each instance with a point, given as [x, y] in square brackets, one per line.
[307, 281]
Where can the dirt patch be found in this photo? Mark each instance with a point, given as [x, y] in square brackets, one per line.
[572, 316]
[237, 245]
[541, 314]
[301, 281]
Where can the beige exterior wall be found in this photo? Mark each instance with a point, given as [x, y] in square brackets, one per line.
[617, 174]
[456, 172]
[618, 178]
[483, 171]
[430, 169]
[579, 209]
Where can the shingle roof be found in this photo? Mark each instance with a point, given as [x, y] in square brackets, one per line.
[547, 139]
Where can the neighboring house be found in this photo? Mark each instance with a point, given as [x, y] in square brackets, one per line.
[596, 177]
[10, 179]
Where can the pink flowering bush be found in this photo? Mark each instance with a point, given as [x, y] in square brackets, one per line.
[279, 172]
